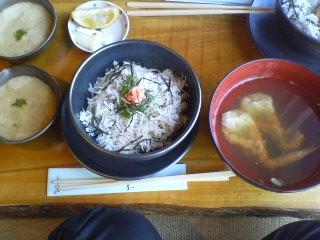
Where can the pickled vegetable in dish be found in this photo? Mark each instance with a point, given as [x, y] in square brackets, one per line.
[27, 105]
[134, 110]
[93, 26]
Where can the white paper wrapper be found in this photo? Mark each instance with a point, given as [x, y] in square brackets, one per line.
[83, 173]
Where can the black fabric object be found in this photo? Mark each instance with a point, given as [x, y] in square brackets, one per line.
[301, 230]
[103, 223]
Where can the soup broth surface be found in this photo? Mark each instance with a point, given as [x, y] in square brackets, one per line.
[296, 116]
[26, 107]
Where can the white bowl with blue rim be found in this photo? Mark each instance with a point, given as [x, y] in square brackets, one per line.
[117, 31]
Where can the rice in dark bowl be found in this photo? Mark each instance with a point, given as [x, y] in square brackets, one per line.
[304, 14]
[133, 109]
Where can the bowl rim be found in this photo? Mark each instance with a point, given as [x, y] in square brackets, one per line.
[57, 92]
[186, 130]
[111, 4]
[49, 38]
[306, 35]
[216, 142]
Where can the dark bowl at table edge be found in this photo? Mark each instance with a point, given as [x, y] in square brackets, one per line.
[294, 33]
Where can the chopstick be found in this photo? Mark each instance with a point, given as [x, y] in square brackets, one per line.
[165, 5]
[184, 12]
[180, 9]
[84, 181]
[69, 184]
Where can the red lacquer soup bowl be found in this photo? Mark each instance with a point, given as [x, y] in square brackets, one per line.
[281, 104]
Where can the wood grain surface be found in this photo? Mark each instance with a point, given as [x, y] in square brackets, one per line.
[213, 45]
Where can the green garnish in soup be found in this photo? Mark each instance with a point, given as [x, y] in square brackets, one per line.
[19, 34]
[19, 102]
[27, 104]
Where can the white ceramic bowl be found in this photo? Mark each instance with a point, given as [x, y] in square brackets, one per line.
[117, 31]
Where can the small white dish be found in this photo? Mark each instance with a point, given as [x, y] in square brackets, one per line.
[90, 40]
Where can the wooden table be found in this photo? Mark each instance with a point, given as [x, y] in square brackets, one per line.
[213, 45]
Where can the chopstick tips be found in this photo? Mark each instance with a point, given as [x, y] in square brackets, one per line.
[183, 9]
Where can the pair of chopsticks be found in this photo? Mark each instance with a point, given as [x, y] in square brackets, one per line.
[70, 184]
[180, 9]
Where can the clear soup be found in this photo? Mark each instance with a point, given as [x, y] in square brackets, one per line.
[271, 129]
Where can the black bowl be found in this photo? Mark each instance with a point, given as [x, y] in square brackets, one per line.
[295, 34]
[273, 42]
[96, 162]
[148, 54]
